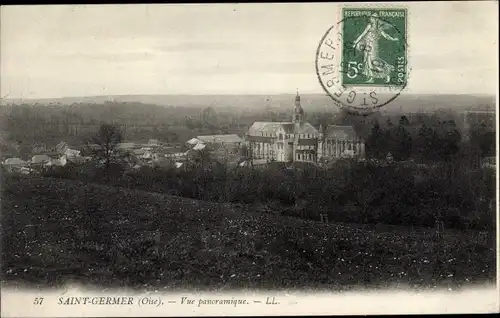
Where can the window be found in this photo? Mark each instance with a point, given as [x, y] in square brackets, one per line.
[298, 156]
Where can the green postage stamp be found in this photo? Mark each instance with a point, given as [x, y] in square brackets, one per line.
[362, 61]
[374, 47]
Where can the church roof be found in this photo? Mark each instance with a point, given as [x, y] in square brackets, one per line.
[266, 128]
[306, 128]
[340, 132]
[270, 127]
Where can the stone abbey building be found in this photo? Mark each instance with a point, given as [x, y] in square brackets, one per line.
[299, 141]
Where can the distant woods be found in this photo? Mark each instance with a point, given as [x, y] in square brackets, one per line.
[28, 124]
[422, 136]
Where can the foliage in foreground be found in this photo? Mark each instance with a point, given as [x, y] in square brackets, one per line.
[58, 231]
[399, 194]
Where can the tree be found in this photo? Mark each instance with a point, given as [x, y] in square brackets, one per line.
[402, 142]
[426, 143]
[192, 123]
[209, 118]
[450, 139]
[483, 139]
[108, 137]
[376, 143]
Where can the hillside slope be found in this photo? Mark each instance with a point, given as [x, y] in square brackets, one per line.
[57, 231]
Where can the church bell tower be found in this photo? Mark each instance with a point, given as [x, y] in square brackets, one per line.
[298, 112]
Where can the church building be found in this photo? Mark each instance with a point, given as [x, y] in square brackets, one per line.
[299, 141]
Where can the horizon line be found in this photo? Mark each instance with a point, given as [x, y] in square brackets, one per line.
[228, 94]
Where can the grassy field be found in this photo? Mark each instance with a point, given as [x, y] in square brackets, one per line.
[57, 231]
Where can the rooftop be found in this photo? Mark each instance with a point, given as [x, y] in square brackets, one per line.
[125, 145]
[259, 127]
[306, 128]
[232, 138]
[340, 132]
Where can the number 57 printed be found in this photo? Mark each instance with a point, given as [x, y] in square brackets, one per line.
[38, 301]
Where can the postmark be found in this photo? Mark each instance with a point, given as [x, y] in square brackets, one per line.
[362, 61]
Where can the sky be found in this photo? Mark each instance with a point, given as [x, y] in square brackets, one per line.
[86, 50]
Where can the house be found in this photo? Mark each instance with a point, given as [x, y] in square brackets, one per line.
[153, 142]
[26, 170]
[39, 148]
[62, 147]
[139, 152]
[172, 152]
[179, 164]
[40, 159]
[254, 162]
[199, 146]
[231, 141]
[125, 146]
[62, 161]
[193, 141]
[220, 139]
[73, 155]
[14, 164]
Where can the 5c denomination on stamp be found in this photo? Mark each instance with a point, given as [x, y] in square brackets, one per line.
[362, 61]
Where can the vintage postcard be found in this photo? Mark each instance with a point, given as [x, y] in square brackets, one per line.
[249, 159]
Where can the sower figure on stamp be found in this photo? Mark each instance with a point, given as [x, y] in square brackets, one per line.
[367, 43]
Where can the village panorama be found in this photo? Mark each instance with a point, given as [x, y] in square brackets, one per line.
[277, 149]
[283, 193]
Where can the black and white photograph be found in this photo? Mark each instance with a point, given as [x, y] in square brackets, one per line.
[218, 159]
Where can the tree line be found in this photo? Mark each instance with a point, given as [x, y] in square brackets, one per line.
[428, 143]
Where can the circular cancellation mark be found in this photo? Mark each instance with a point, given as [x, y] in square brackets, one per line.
[361, 62]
